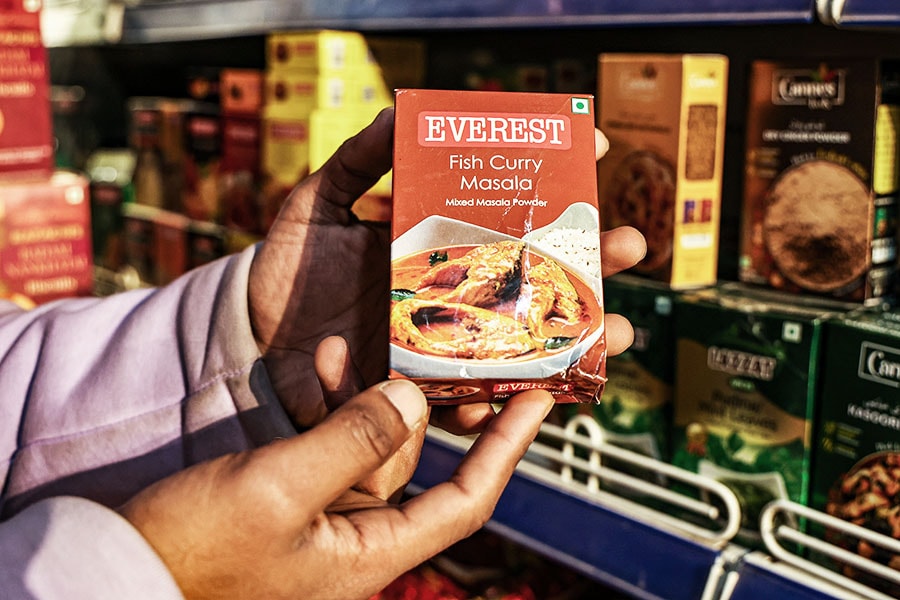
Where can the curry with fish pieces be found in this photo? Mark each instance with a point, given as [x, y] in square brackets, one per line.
[496, 301]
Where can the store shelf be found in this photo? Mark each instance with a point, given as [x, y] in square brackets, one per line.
[172, 20]
[859, 13]
[640, 551]
[566, 503]
[758, 576]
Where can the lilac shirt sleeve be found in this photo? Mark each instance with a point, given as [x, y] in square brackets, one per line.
[101, 397]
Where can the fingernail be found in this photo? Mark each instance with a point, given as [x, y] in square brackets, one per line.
[406, 398]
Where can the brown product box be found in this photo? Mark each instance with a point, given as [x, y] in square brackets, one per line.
[200, 195]
[170, 246]
[819, 204]
[241, 91]
[239, 171]
[495, 258]
[26, 122]
[45, 237]
[137, 241]
[664, 115]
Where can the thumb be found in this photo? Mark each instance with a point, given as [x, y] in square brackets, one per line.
[352, 442]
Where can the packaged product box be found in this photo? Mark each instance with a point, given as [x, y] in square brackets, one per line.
[241, 92]
[45, 237]
[239, 170]
[819, 203]
[200, 195]
[320, 50]
[746, 372]
[857, 455]
[635, 410]
[664, 115]
[495, 258]
[284, 162]
[157, 134]
[137, 242]
[26, 121]
[111, 174]
[170, 246]
[296, 94]
[205, 243]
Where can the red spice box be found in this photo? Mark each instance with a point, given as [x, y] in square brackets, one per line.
[495, 269]
[45, 238]
[26, 139]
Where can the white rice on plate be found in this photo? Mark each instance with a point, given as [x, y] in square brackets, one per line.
[577, 247]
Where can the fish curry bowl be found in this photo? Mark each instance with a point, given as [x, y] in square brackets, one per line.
[472, 303]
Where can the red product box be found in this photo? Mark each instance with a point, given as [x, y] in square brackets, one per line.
[495, 254]
[26, 130]
[45, 238]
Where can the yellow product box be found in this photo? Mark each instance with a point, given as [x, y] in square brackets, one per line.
[327, 131]
[285, 149]
[295, 94]
[664, 115]
[319, 50]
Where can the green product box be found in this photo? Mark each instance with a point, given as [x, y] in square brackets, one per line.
[856, 474]
[746, 370]
[635, 409]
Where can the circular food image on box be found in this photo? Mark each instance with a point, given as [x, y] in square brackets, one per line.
[868, 495]
[493, 309]
[641, 193]
[816, 225]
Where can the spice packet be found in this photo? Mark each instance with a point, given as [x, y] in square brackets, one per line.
[495, 254]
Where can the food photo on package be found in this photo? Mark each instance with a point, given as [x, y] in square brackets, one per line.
[495, 254]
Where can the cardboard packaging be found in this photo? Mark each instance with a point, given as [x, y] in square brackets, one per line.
[664, 116]
[635, 411]
[819, 210]
[320, 87]
[495, 271]
[857, 455]
[26, 121]
[45, 237]
[111, 172]
[320, 50]
[747, 368]
[239, 170]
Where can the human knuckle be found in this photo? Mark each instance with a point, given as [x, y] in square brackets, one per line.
[369, 433]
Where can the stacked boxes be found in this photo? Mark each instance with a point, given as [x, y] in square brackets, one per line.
[45, 238]
[321, 87]
[26, 138]
[664, 116]
[747, 370]
[820, 208]
[45, 230]
[239, 184]
[856, 474]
